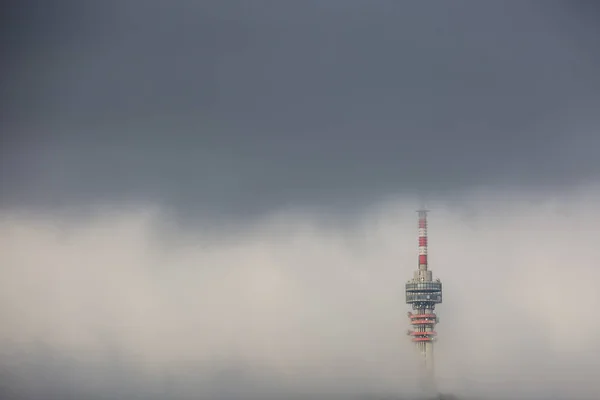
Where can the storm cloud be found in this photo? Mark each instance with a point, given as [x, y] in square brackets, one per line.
[236, 109]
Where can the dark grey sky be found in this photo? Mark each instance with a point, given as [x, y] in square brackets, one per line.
[238, 107]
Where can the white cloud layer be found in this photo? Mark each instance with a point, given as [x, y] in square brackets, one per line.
[289, 305]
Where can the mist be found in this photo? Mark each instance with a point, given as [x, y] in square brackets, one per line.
[123, 301]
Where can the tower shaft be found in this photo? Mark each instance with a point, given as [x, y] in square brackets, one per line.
[423, 293]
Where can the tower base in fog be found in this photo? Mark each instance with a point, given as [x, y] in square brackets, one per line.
[428, 385]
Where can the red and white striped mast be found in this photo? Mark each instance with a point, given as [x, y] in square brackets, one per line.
[422, 239]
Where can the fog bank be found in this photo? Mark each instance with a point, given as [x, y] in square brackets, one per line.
[124, 302]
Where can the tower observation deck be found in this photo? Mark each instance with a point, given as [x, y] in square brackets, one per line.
[423, 293]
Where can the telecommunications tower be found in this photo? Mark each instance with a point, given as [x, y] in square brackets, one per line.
[423, 293]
